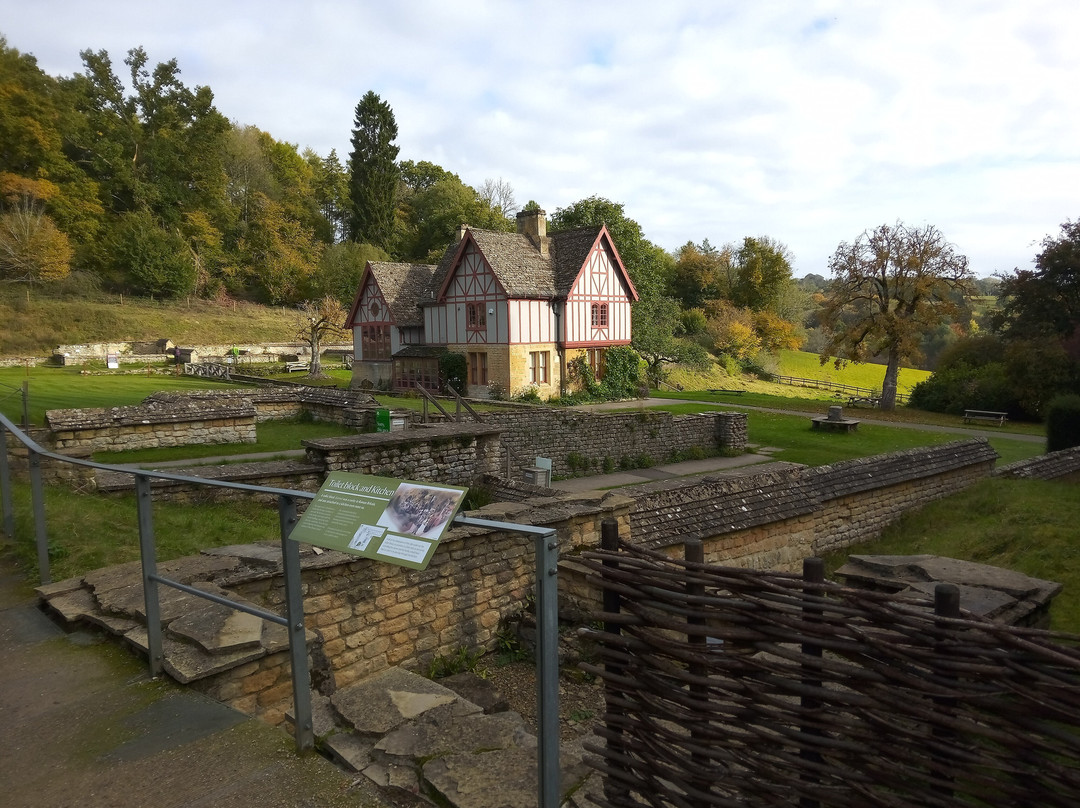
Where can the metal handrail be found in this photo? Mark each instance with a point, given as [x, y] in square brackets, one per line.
[293, 620]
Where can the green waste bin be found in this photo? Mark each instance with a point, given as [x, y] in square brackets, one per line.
[382, 420]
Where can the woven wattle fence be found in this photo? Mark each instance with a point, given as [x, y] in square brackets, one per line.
[729, 687]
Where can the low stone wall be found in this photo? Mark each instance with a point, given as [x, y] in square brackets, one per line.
[150, 426]
[53, 472]
[1064, 464]
[783, 514]
[459, 454]
[587, 442]
[365, 616]
[286, 474]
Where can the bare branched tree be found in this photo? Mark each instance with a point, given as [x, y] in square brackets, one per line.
[499, 194]
[318, 321]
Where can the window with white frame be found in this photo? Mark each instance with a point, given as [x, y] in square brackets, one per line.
[538, 367]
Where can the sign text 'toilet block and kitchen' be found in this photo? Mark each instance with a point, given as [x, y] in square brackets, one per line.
[396, 521]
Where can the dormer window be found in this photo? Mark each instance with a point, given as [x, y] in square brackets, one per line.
[599, 315]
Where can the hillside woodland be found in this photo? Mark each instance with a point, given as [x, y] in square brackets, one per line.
[121, 181]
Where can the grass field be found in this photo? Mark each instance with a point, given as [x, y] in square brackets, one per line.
[808, 366]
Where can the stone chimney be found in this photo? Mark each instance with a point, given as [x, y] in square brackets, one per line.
[533, 224]
[461, 231]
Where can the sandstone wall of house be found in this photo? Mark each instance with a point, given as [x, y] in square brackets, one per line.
[520, 377]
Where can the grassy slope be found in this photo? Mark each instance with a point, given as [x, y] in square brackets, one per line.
[1024, 525]
[33, 324]
[808, 366]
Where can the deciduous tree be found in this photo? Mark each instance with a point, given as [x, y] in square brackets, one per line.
[649, 266]
[318, 321]
[890, 286]
[762, 274]
[1045, 301]
[31, 248]
[659, 338]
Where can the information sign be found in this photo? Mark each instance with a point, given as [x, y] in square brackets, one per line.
[396, 521]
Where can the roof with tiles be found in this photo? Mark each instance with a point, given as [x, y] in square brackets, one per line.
[852, 476]
[403, 286]
[672, 511]
[518, 264]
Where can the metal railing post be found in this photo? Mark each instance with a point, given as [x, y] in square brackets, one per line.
[5, 486]
[41, 529]
[547, 667]
[294, 613]
[155, 649]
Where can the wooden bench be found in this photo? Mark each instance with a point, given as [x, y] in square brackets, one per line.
[999, 418]
[291, 366]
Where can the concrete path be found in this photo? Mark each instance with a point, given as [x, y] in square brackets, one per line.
[85, 726]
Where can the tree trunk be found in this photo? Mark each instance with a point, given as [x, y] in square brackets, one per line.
[888, 386]
[315, 366]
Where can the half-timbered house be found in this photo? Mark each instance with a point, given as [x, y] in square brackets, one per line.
[519, 306]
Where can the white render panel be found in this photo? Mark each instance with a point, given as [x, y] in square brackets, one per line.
[531, 321]
[599, 282]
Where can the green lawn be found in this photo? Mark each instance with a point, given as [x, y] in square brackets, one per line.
[798, 443]
[1024, 525]
[51, 388]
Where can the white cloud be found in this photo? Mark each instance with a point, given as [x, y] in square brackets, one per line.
[808, 122]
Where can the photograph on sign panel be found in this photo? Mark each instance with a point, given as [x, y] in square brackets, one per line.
[421, 510]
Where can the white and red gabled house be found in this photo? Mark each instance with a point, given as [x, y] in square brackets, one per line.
[519, 306]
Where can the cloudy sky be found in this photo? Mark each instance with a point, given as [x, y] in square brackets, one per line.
[808, 121]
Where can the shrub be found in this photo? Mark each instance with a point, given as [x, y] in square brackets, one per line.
[453, 369]
[1063, 423]
[530, 395]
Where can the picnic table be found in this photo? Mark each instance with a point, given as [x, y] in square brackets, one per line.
[863, 401]
[291, 366]
[998, 418]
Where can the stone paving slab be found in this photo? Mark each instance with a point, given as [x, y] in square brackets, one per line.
[495, 779]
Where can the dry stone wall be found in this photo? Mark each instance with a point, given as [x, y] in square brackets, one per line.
[459, 454]
[151, 426]
[777, 517]
[364, 616]
[1064, 464]
[588, 442]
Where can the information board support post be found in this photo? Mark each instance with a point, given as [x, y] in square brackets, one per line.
[155, 653]
[547, 651]
[5, 486]
[303, 725]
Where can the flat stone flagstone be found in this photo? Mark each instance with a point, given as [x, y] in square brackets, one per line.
[1002, 595]
[382, 703]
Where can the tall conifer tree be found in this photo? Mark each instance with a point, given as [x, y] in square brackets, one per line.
[373, 172]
